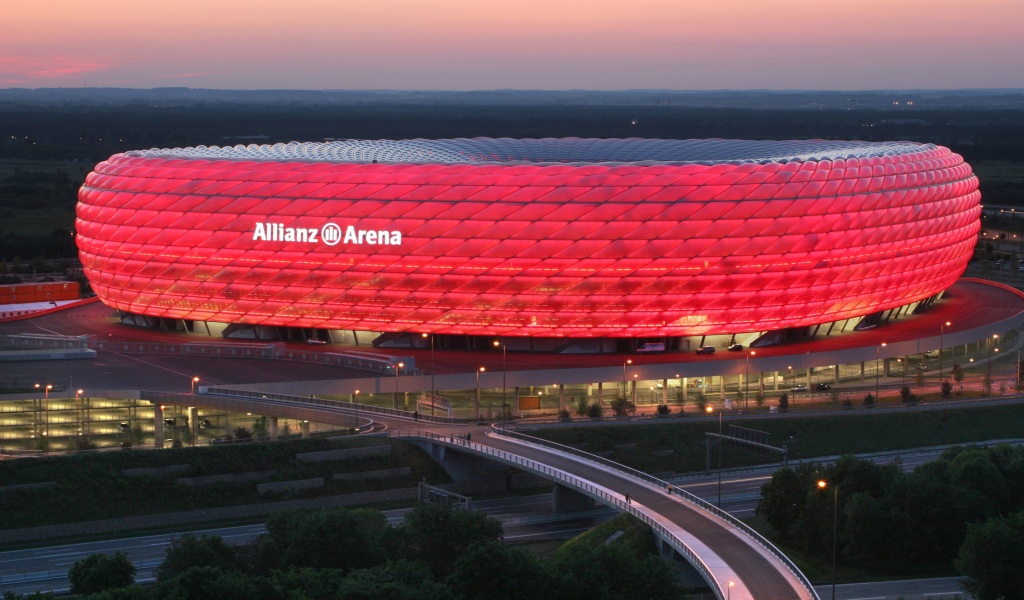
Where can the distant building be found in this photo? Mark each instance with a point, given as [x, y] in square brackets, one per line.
[549, 238]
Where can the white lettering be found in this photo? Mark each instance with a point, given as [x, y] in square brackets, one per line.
[330, 234]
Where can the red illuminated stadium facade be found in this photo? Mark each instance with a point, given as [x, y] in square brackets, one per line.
[553, 238]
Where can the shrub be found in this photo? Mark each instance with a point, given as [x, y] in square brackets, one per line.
[663, 410]
[98, 572]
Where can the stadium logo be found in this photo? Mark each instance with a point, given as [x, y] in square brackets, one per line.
[330, 234]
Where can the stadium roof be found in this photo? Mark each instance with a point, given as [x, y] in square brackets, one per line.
[547, 151]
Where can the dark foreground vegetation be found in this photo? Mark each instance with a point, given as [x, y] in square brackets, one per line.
[965, 510]
[438, 553]
[92, 486]
[46, 150]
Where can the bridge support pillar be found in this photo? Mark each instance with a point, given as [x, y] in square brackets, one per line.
[272, 425]
[566, 500]
[158, 426]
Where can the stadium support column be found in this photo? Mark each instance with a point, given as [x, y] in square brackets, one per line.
[305, 429]
[193, 423]
[272, 423]
[664, 391]
[775, 381]
[561, 397]
[835, 380]
[862, 371]
[686, 391]
[158, 426]
[600, 393]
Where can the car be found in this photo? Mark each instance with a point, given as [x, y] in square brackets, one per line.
[921, 367]
[124, 426]
[735, 347]
[706, 350]
[649, 347]
[799, 388]
[823, 387]
[316, 342]
[169, 422]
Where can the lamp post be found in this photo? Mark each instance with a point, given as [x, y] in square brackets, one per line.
[394, 402]
[746, 378]
[46, 404]
[504, 370]
[433, 390]
[476, 399]
[942, 331]
[988, 364]
[710, 410]
[822, 484]
[195, 380]
[877, 354]
[728, 593]
[625, 390]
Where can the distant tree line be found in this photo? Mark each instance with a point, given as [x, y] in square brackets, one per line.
[947, 513]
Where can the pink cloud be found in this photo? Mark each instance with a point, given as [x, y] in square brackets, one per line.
[17, 70]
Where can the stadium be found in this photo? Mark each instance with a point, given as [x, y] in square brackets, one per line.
[623, 240]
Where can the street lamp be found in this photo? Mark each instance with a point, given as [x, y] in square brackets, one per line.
[942, 330]
[433, 390]
[711, 410]
[476, 399]
[625, 390]
[988, 364]
[822, 484]
[195, 380]
[504, 370]
[746, 377]
[877, 352]
[728, 593]
[394, 402]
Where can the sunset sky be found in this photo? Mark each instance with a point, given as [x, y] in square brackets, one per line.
[524, 44]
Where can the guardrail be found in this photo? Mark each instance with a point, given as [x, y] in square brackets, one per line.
[339, 404]
[699, 502]
[581, 485]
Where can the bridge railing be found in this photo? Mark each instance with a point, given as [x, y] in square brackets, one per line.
[313, 400]
[578, 484]
[696, 500]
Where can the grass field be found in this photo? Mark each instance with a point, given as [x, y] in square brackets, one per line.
[644, 447]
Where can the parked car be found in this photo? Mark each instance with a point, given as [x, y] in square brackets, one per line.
[316, 341]
[735, 347]
[823, 387]
[651, 347]
[706, 350]
[799, 388]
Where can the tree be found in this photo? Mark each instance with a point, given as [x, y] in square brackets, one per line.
[869, 400]
[907, 396]
[701, 401]
[581, 406]
[958, 376]
[260, 428]
[680, 398]
[595, 410]
[190, 551]
[330, 538]
[991, 556]
[99, 572]
[946, 388]
[511, 573]
[784, 402]
[622, 407]
[919, 380]
[759, 399]
[783, 498]
[662, 410]
[241, 433]
[437, 535]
